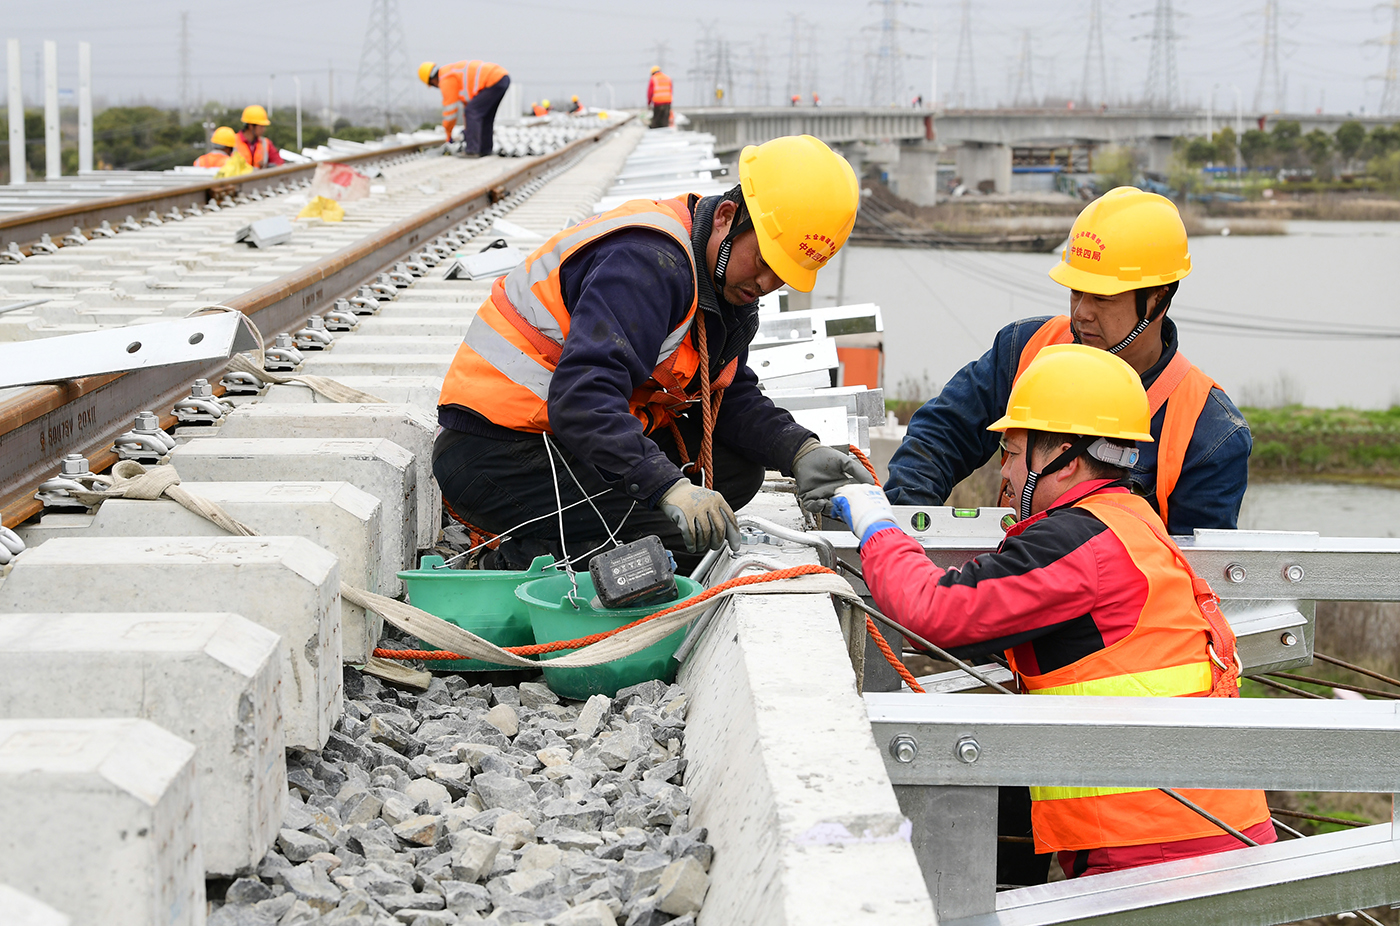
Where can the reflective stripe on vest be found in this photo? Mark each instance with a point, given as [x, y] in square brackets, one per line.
[1171, 629]
[506, 362]
[1181, 386]
[256, 160]
[480, 75]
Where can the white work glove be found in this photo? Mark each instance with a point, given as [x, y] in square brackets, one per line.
[865, 509]
[705, 519]
[820, 471]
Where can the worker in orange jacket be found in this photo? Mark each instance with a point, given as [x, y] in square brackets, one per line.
[223, 140]
[574, 105]
[476, 86]
[252, 143]
[659, 98]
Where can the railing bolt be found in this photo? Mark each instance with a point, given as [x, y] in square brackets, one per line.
[1293, 573]
[1288, 638]
[1235, 573]
[904, 748]
[967, 750]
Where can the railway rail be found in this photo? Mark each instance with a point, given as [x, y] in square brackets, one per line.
[42, 423]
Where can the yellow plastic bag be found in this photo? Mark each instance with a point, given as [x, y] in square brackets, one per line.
[327, 210]
[235, 166]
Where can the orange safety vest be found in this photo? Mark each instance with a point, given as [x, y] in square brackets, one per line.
[538, 110]
[1181, 647]
[462, 80]
[504, 365]
[211, 159]
[1181, 386]
[258, 161]
[660, 88]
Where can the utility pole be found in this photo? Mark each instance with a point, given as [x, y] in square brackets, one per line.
[380, 84]
[1094, 67]
[964, 94]
[1161, 90]
[184, 66]
[659, 58]
[1390, 93]
[1025, 74]
[1269, 94]
[53, 151]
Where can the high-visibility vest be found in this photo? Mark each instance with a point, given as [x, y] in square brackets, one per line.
[211, 159]
[660, 88]
[1181, 386]
[504, 365]
[538, 110]
[1166, 655]
[256, 160]
[462, 80]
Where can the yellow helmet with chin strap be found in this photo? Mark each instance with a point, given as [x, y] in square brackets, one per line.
[225, 136]
[655, 68]
[425, 71]
[1126, 239]
[254, 115]
[802, 198]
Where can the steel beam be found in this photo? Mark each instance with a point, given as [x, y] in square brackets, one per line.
[1280, 883]
[984, 740]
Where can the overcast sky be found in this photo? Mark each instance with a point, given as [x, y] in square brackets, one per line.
[1330, 54]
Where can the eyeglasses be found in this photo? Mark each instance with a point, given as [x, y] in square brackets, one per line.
[1007, 450]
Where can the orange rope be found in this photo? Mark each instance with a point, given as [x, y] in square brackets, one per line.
[865, 461]
[475, 535]
[895, 662]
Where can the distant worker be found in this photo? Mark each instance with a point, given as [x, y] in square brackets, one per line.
[252, 143]
[603, 388]
[816, 100]
[224, 139]
[1087, 595]
[475, 86]
[538, 109]
[659, 98]
[574, 105]
[796, 100]
[548, 106]
[1126, 256]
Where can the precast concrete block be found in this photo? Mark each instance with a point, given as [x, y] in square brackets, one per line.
[337, 365]
[380, 467]
[19, 909]
[102, 821]
[419, 391]
[286, 584]
[335, 515]
[211, 679]
[405, 425]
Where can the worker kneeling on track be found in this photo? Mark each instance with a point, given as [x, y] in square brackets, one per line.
[1088, 595]
[1125, 258]
[617, 353]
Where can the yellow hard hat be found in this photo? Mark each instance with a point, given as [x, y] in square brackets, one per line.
[1077, 389]
[655, 68]
[1125, 239]
[545, 104]
[255, 115]
[225, 136]
[425, 71]
[802, 197]
[574, 98]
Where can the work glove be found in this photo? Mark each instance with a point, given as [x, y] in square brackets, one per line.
[820, 471]
[865, 510]
[705, 519]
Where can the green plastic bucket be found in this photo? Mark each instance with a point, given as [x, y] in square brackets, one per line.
[555, 618]
[479, 600]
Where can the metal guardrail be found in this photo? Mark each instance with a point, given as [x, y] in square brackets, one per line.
[85, 415]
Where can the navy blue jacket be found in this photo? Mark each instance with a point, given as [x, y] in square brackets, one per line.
[948, 439]
[625, 293]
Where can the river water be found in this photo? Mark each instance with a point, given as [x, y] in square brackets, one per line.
[942, 309]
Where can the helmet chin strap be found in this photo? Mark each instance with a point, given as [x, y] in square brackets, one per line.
[1139, 328]
[1075, 450]
[737, 226]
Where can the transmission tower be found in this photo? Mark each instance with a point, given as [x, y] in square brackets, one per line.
[794, 76]
[809, 59]
[964, 94]
[1269, 94]
[184, 66]
[1161, 92]
[885, 65]
[659, 50]
[1024, 94]
[1094, 67]
[382, 81]
[1390, 93]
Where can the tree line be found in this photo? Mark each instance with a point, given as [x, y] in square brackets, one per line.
[1349, 150]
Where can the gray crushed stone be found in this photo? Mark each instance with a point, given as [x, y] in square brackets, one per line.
[472, 803]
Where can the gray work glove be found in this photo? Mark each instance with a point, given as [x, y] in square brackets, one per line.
[820, 471]
[705, 519]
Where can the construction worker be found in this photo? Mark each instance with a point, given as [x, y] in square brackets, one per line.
[574, 105]
[252, 144]
[1126, 256]
[796, 99]
[478, 88]
[604, 390]
[1087, 594]
[659, 98]
[223, 140]
[539, 109]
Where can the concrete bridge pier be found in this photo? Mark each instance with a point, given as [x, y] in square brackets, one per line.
[981, 163]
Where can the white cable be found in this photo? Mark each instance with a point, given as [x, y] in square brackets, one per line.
[573, 596]
[510, 530]
[612, 535]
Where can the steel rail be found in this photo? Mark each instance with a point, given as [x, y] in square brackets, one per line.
[25, 228]
[85, 415]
